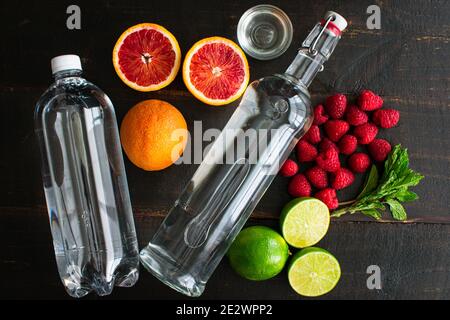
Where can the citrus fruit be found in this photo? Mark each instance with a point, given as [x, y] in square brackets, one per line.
[258, 253]
[313, 272]
[153, 134]
[304, 222]
[216, 71]
[147, 57]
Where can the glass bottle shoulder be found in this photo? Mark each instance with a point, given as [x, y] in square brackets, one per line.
[280, 97]
[283, 83]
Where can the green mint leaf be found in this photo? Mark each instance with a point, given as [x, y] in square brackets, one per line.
[395, 167]
[373, 213]
[371, 182]
[402, 162]
[390, 162]
[406, 196]
[413, 178]
[410, 179]
[397, 210]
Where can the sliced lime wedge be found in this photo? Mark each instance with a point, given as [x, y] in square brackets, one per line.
[313, 272]
[304, 222]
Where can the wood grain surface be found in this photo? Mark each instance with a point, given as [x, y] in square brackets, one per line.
[407, 61]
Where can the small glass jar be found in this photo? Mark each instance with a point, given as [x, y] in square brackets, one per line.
[264, 32]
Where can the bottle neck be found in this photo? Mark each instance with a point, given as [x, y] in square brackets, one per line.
[67, 73]
[315, 51]
[304, 68]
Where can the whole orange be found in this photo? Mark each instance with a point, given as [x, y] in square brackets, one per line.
[153, 134]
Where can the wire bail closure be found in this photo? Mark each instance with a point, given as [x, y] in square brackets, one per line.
[312, 49]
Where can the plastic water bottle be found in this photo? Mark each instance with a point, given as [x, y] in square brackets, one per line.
[274, 113]
[85, 185]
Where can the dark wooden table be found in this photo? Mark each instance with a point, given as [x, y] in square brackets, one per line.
[407, 61]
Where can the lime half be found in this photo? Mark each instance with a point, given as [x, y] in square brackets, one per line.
[304, 222]
[313, 272]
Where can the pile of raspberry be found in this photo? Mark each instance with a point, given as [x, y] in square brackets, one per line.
[338, 128]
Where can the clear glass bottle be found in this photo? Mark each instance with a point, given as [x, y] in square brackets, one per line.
[228, 185]
[85, 184]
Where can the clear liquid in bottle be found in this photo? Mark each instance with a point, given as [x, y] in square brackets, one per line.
[85, 184]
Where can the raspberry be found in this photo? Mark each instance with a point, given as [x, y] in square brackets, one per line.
[317, 177]
[355, 117]
[289, 168]
[347, 144]
[327, 143]
[342, 179]
[379, 149]
[369, 101]
[335, 129]
[365, 133]
[299, 186]
[306, 151]
[328, 160]
[359, 162]
[328, 196]
[336, 105]
[320, 117]
[386, 118]
[313, 135]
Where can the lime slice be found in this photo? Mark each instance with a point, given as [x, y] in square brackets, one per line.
[313, 272]
[304, 222]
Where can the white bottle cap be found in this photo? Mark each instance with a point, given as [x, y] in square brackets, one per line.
[339, 21]
[65, 62]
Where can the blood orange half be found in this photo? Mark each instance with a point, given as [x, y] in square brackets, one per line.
[147, 57]
[216, 71]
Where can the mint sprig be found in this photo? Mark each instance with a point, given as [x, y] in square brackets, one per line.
[388, 190]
